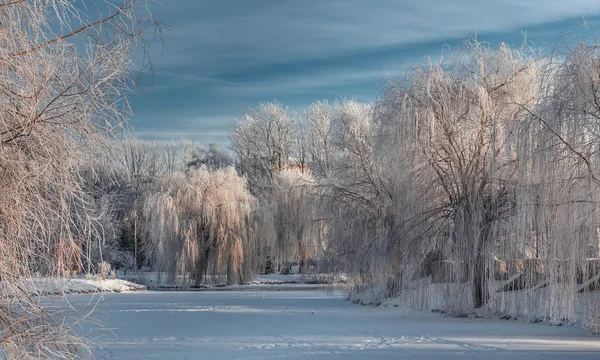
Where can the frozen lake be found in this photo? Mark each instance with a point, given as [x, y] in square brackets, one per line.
[308, 324]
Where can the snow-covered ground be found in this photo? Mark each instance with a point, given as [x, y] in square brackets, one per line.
[277, 279]
[60, 286]
[160, 281]
[290, 324]
[300, 279]
[533, 305]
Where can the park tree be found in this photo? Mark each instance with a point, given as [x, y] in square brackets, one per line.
[263, 142]
[64, 75]
[198, 225]
[453, 127]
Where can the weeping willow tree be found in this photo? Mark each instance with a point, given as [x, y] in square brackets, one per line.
[452, 130]
[270, 145]
[352, 194]
[295, 210]
[64, 75]
[557, 200]
[199, 224]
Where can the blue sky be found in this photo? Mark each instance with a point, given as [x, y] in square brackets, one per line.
[221, 57]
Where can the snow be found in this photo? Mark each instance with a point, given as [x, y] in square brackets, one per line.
[532, 305]
[308, 324]
[277, 279]
[310, 278]
[58, 286]
[155, 281]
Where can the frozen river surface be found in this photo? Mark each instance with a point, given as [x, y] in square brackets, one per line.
[309, 324]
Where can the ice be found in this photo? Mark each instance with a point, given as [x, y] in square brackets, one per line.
[291, 324]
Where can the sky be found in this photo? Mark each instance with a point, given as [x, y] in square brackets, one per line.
[220, 58]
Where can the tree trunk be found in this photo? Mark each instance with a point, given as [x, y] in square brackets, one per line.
[472, 236]
[230, 270]
[202, 262]
[479, 286]
[202, 266]
[479, 276]
[303, 255]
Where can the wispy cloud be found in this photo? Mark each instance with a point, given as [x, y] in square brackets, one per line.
[223, 56]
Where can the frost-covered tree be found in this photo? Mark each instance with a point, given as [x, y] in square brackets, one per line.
[198, 224]
[296, 210]
[318, 117]
[268, 142]
[63, 78]
[456, 124]
[140, 164]
[214, 158]
[351, 193]
[263, 143]
[557, 200]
